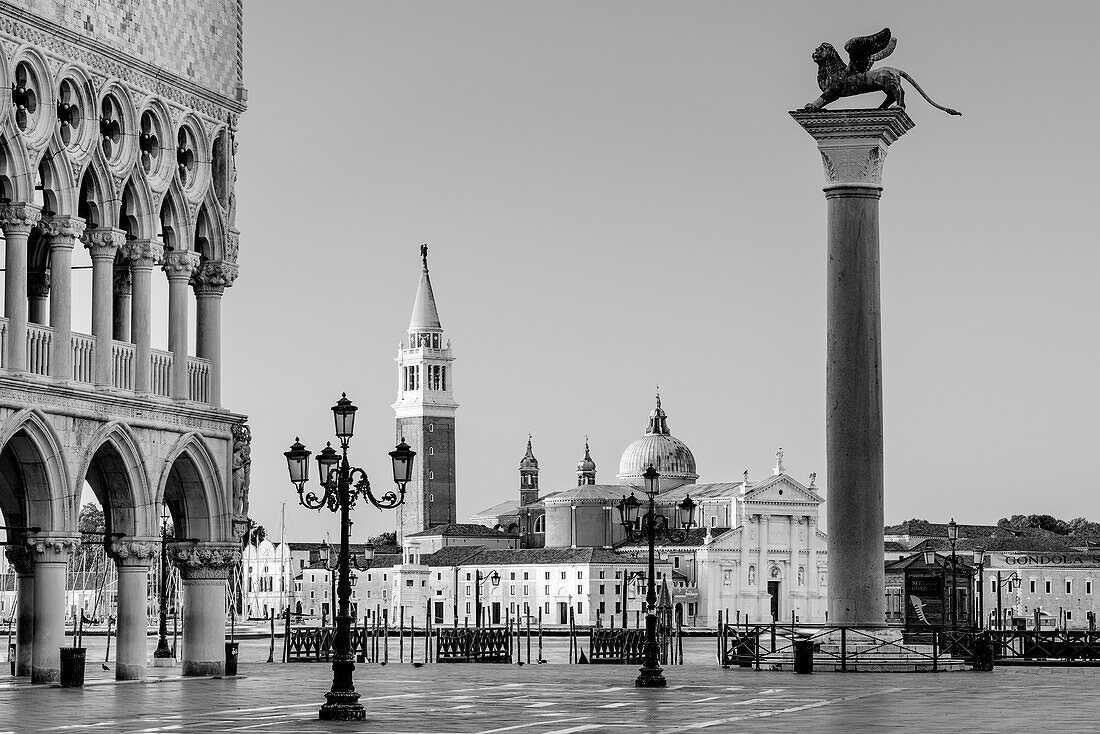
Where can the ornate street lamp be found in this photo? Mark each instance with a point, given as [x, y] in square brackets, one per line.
[648, 526]
[979, 562]
[163, 652]
[953, 535]
[343, 484]
[479, 578]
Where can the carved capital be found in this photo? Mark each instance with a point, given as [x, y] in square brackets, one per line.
[62, 231]
[21, 559]
[123, 280]
[19, 218]
[213, 277]
[180, 264]
[142, 253]
[134, 551]
[38, 283]
[103, 242]
[204, 560]
[853, 143]
[56, 548]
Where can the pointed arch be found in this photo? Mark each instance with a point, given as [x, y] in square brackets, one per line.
[114, 467]
[16, 179]
[192, 487]
[33, 465]
[136, 215]
[95, 201]
[209, 233]
[59, 185]
[176, 229]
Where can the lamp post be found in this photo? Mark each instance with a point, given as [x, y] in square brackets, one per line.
[953, 536]
[649, 526]
[343, 484]
[1013, 581]
[163, 652]
[979, 561]
[479, 578]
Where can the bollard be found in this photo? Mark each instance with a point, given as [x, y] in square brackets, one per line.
[231, 650]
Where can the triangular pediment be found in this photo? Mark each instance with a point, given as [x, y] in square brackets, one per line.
[729, 540]
[782, 489]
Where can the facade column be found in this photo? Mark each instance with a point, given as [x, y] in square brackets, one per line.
[51, 559]
[132, 559]
[121, 313]
[762, 597]
[853, 146]
[209, 281]
[204, 567]
[21, 559]
[38, 294]
[143, 255]
[16, 220]
[61, 233]
[179, 265]
[103, 244]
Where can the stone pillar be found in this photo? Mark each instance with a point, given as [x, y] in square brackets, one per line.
[61, 233]
[38, 294]
[209, 281]
[132, 559]
[51, 558]
[204, 567]
[179, 265]
[853, 146]
[143, 255]
[103, 244]
[21, 559]
[16, 221]
[763, 599]
[121, 312]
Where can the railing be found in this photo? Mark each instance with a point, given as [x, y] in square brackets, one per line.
[122, 365]
[471, 645]
[38, 349]
[160, 373]
[198, 379]
[1043, 647]
[84, 358]
[618, 646]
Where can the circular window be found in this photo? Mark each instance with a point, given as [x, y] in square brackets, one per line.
[30, 101]
[152, 155]
[112, 126]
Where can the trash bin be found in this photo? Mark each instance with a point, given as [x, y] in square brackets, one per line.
[72, 666]
[983, 652]
[745, 651]
[803, 656]
[11, 657]
[231, 658]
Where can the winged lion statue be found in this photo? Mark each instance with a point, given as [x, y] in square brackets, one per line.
[857, 77]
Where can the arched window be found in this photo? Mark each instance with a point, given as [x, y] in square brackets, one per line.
[540, 524]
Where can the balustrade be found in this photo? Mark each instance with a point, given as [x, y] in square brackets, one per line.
[38, 349]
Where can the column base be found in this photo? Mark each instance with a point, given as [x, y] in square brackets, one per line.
[124, 671]
[342, 706]
[650, 678]
[45, 675]
[164, 662]
[202, 668]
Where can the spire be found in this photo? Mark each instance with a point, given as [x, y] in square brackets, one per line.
[529, 461]
[528, 476]
[586, 469]
[424, 315]
[657, 419]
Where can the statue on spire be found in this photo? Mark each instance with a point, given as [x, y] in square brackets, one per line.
[779, 461]
[424, 255]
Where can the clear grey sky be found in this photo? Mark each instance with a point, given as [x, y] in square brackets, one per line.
[615, 197]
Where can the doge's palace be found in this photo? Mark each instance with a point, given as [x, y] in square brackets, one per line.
[119, 138]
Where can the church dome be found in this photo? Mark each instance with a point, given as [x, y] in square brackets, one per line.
[529, 461]
[586, 464]
[658, 447]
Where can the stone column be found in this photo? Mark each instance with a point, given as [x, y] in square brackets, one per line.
[853, 146]
[763, 599]
[132, 559]
[38, 294]
[143, 255]
[121, 312]
[103, 244]
[21, 559]
[16, 221]
[51, 557]
[61, 233]
[179, 265]
[204, 567]
[209, 281]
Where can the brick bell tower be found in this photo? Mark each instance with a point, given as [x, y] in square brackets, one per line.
[425, 411]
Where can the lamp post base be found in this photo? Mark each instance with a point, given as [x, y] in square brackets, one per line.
[342, 706]
[650, 678]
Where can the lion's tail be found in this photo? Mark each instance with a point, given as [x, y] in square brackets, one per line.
[916, 86]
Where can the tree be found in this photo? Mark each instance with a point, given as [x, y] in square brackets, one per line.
[91, 519]
[387, 538]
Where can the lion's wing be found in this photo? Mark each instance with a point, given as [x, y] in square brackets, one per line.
[863, 51]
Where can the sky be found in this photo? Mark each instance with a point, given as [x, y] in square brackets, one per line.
[615, 197]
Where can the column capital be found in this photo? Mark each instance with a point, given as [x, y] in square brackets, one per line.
[21, 559]
[123, 281]
[64, 231]
[205, 560]
[50, 547]
[213, 277]
[103, 242]
[180, 264]
[38, 283]
[19, 218]
[853, 143]
[142, 253]
[134, 552]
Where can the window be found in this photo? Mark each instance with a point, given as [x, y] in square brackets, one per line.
[618, 589]
[525, 591]
[993, 585]
[601, 574]
[580, 574]
[547, 591]
[431, 428]
[547, 607]
[618, 607]
[310, 594]
[512, 576]
[602, 589]
[524, 575]
[540, 524]
[547, 575]
[368, 577]
[1046, 586]
[714, 521]
[580, 608]
[468, 577]
[439, 577]
[1069, 586]
[563, 575]
[512, 589]
[408, 582]
[1088, 586]
[431, 451]
[444, 378]
[691, 609]
[431, 475]
[467, 607]
[1069, 615]
[618, 574]
[1031, 586]
[580, 589]
[468, 590]
[676, 561]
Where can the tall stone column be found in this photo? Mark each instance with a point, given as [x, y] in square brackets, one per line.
[21, 559]
[61, 233]
[132, 559]
[763, 598]
[103, 244]
[121, 313]
[179, 265]
[203, 570]
[16, 220]
[51, 558]
[142, 255]
[209, 281]
[38, 295]
[853, 146]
